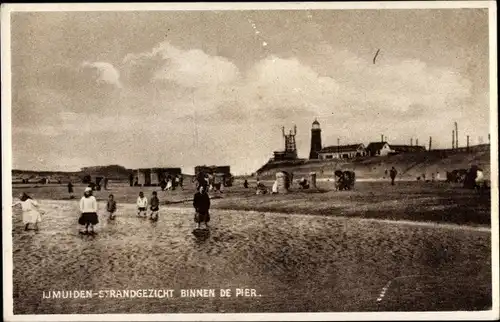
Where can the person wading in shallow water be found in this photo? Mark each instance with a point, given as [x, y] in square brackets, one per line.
[88, 208]
[70, 190]
[142, 205]
[30, 213]
[393, 174]
[111, 207]
[155, 206]
[201, 205]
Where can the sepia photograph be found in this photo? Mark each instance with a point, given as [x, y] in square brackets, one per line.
[250, 161]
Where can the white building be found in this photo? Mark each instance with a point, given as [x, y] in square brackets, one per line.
[379, 149]
[342, 151]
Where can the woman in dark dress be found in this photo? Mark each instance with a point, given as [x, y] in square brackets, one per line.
[201, 205]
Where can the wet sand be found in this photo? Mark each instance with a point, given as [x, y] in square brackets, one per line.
[295, 263]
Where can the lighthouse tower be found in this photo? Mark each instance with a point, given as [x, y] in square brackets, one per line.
[315, 140]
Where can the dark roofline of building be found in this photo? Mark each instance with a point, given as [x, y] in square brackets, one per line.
[341, 148]
[376, 145]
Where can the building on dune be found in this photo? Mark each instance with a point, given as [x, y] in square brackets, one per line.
[342, 151]
[384, 148]
[379, 149]
[154, 176]
[220, 174]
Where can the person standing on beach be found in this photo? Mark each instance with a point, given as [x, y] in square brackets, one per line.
[393, 174]
[30, 213]
[181, 181]
[274, 189]
[70, 190]
[201, 203]
[142, 204]
[169, 183]
[155, 206]
[88, 208]
[111, 207]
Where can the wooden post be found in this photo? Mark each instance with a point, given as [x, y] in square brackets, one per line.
[456, 135]
[430, 143]
[467, 143]
[416, 143]
[453, 140]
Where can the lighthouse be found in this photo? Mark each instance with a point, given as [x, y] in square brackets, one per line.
[315, 140]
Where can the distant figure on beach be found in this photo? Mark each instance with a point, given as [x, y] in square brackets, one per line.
[200, 180]
[201, 204]
[70, 190]
[30, 213]
[385, 173]
[111, 207]
[261, 189]
[155, 206]
[131, 180]
[438, 176]
[393, 174]
[163, 184]
[142, 204]
[245, 184]
[106, 180]
[181, 181]
[169, 184]
[274, 189]
[88, 209]
[479, 178]
[176, 181]
[173, 181]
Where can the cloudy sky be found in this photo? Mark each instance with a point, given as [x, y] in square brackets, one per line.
[171, 88]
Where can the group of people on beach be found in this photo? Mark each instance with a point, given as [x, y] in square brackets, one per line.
[31, 214]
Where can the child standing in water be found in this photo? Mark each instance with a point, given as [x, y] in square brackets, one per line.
[111, 207]
[142, 205]
[88, 208]
[155, 206]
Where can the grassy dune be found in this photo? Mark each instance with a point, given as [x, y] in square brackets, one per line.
[295, 263]
[409, 165]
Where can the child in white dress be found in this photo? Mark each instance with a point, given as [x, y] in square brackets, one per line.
[31, 215]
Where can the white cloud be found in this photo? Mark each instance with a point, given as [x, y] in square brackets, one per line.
[188, 68]
[106, 73]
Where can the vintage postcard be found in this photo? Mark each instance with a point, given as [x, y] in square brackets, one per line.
[250, 161]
